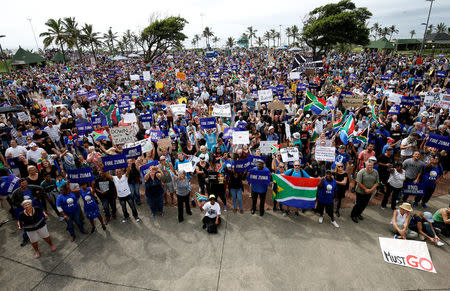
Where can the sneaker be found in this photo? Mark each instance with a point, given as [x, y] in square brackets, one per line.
[382, 208]
[354, 219]
[24, 242]
[421, 237]
[396, 236]
[320, 219]
[124, 220]
[153, 217]
[334, 223]
[285, 214]
[415, 204]
[360, 217]
[439, 243]
[424, 205]
[61, 218]
[253, 212]
[137, 219]
[103, 227]
[338, 214]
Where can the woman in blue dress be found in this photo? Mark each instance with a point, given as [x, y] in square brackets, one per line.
[91, 208]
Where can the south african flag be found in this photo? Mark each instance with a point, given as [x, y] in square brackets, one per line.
[295, 192]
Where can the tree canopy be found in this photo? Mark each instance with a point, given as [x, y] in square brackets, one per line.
[337, 23]
[160, 35]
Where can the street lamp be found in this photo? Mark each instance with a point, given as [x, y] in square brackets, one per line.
[426, 26]
[4, 57]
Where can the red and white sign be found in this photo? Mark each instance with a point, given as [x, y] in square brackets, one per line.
[407, 253]
[241, 137]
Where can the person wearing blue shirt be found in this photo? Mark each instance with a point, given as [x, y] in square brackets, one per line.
[272, 135]
[210, 137]
[182, 160]
[297, 171]
[325, 197]
[431, 174]
[67, 204]
[178, 127]
[259, 190]
[341, 157]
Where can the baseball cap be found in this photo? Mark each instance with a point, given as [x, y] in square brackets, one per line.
[212, 197]
[296, 135]
[271, 127]
[428, 216]
[390, 139]
[33, 144]
[389, 148]
[372, 159]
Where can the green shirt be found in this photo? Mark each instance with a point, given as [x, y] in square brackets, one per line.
[437, 216]
[367, 179]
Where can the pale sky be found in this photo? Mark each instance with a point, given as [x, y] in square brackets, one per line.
[225, 18]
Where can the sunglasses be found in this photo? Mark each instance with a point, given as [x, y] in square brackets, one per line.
[340, 166]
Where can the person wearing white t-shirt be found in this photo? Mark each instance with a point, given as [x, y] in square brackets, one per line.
[17, 154]
[35, 153]
[124, 193]
[212, 214]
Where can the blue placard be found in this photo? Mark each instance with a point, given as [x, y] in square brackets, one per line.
[29, 133]
[312, 86]
[99, 120]
[114, 162]
[155, 135]
[395, 109]
[82, 92]
[259, 177]
[133, 152]
[208, 122]
[345, 94]
[441, 74]
[242, 165]
[301, 87]
[280, 89]
[126, 97]
[438, 141]
[84, 128]
[8, 184]
[414, 189]
[203, 74]
[145, 168]
[12, 163]
[83, 175]
[146, 118]
[92, 96]
[407, 100]
[265, 83]
[123, 104]
[385, 77]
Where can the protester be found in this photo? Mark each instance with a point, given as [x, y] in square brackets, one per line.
[212, 219]
[342, 183]
[154, 191]
[422, 224]
[394, 186]
[442, 220]
[430, 176]
[259, 190]
[183, 190]
[91, 209]
[325, 197]
[106, 191]
[124, 194]
[400, 222]
[67, 203]
[413, 169]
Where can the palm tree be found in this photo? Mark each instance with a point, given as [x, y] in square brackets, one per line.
[110, 37]
[74, 34]
[295, 33]
[55, 34]
[441, 28]
[230, 42]
[288, 34]
[129, 36]
[430, 29]
[90, 38]
[384, 31]
[278, 36]
[412, 33]
[207, 33]
[215, 39]
[251, 34]
[259, 41]
[196, 39]
[375, 29]
[267, 36]
[392, 30]
[273, 35]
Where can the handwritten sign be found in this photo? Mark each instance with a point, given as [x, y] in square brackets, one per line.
[121, 135]
[134, 77]
[432, 98]
[241, 137]
[289, 154]
[23, 116]
[325, 154]
[222, 110]
[266, 146]
[165, 143]
[276, 105]
[187, 167]
[265, 95]
[130, 118]
[178, 109]
[146, 75]
[145, 144]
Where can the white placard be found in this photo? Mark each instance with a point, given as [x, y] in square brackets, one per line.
[287, 128]
[294, 75]
[394, 97]
[146, 145]
[432, 98]
[407, 253]
[265, 146]
[146, 75]
[178, 109]
[187, 167]
[23, 116]
[48, 104]
[289, 155]
[265, 95]
[121, 135]
[221, 110]
[130, 118]
[241, 137]
[445, 101]
[325, 154]
[134, 77]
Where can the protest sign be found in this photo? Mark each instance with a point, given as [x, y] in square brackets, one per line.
[178, 109]
[265, 95]
[406, 253]
[84, 128]
[134, 77]
[289, 154]
[165, 143]
[159, 85]
[222, 110]
[133, 152]
[254, 160]
[294, 75]
[146, 168]
[441, 74]
[146, 75]
[123, 104]
[438, 141]
[181, 76]
[29, 133]
[48, 103]
[228, 132]
[351, 100]
[242, 165]
[413, 189]
[241, 137]
[8, 184]
[83, 175]
[146, 145]
[114, 162]
[92, 96]
[287, 129]
[385, 77]
[121, 135]
[23, 116]
[155, 135]
[276, 105]
[130, 118]
[146, 120]
[394, 110]
[187, 167]
[445, 101]
[432, 98]
[259, 177]
[265, 146]
[208, 122]
[394, 97]
[325, 153]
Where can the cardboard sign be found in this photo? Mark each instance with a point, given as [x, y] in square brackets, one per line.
[276, 105]
[134, 77]
[181, 76]
[241, 137]
[351, 100]
[265, 95]
[178, 109]
[121, 135]
[432, 98]
[130, 118]
[407, 253]
[164, 143]
[289, 155]
[146, 75]
[325, 154]
[266, 146]
[187, 167]
[222, 110]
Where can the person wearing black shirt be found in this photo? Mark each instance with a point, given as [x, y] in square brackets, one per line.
[385, 162]
[216, 184]
[236, 188]
[39, 136]
[202, 173]
[106, 191]
[134, 182]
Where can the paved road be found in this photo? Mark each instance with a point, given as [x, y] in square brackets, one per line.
[249, 253]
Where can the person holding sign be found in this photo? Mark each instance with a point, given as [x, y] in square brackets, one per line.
[259, 190]
[154, 191]
[325, 197]
[124, 193]
[432, 173]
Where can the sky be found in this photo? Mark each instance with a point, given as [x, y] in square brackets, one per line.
[225, 18]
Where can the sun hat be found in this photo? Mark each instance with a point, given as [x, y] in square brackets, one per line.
[406, 206]
[296, 135]
[372, 159]
[428, 216]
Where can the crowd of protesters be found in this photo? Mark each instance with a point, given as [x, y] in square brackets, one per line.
[386, 150]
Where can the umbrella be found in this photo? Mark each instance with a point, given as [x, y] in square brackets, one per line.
[133, 56]
[295, 49]
[119, 58]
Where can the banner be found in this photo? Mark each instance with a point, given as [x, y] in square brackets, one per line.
[208, 122]
[407, 253]
[265, 146]
[133, 152]
[84, 128]
[121, 135]
[413, 189]
[259, 177]
[222, 110]
[155, 135]
[178, 109]
[241, 137]
[265, 95]
[99, 120]
[83, 175]
[114, 162]
[438, 141]
[394, 110]
[325, 154]
[146, 168]
[241, 166]
[289, 155]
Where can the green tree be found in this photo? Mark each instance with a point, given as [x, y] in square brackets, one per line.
[162, 34]
[268, 36]
[55, 34]
[332, 24]
[273, 36]
[230, 42]
[195, 40]
[384, 31]
[259, 41]
[288, 33]
[375, 30]
[110, 37]
[251, 34]
[441, 28]
[295, 33]
[392, 30]
[243, 40]
[412, 33]
[215, 39]
[90, 38]
[429, 30]
[207, 33]
[73, 34]
[129, 36]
